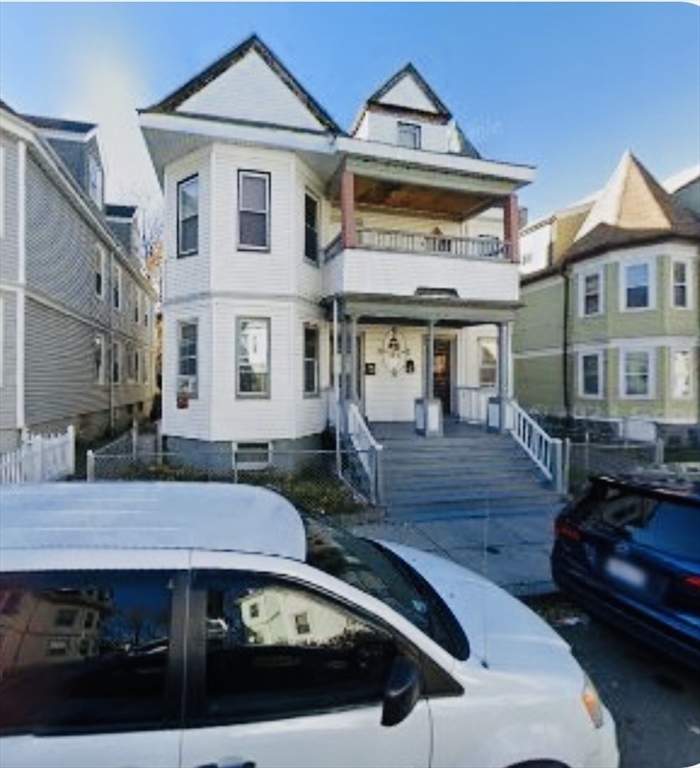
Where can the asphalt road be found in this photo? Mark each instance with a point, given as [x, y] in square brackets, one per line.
[655, 701]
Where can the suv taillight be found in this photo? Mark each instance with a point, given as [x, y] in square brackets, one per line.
[692, 581]
[563, 529]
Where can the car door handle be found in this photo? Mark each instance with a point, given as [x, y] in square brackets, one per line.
[244, 764]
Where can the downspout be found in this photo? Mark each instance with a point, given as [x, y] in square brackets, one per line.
[110, 357]
[565, 345]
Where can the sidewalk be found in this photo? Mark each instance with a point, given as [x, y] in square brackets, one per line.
[510, 548]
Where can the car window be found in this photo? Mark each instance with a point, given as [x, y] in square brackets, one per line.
[84, 650]
[274, 649]
[673, 529]
[379, 572]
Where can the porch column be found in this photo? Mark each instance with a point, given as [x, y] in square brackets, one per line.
[354, 395]
[430, 362]
[347, 210]
[502, 374]
[511, 227]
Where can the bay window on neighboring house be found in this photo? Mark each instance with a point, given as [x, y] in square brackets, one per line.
[253, 357]
[591, 293]
[99, 258]
[311, 361]
[637, 286]
[253, 211]
[187, 359]
[680, 284]
[117, 287]
[637, 374]
[188, 217]
[116, 362]
[488, 362]
[311, 228]
[99, 358]
[681, 374]
[590, 381]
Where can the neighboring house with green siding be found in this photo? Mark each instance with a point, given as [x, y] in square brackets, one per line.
[610, 327]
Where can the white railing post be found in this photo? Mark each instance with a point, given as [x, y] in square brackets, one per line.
[71, 450]
[659, 451]
[90, 467]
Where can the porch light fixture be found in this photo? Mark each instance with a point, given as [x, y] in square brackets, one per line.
[394, 351]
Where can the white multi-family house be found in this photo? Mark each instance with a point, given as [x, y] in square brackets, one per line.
[77, 341]
[307, 266]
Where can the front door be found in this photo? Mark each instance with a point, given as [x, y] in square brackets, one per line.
[442, 369]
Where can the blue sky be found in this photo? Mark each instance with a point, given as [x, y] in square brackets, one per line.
[563, 86]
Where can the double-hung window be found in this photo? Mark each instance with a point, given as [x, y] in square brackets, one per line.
[311, 228]
[253, 211]
[680, 284]
[637, 380]
[99, 357]
[253, 357]
[99, 269]
[591, 293]
[488, 362]
[188, 217]
[187, 378]
[637, 286]
[117, 287]
[591, 374]
[409, 135]
[310, 360]
[116, 362]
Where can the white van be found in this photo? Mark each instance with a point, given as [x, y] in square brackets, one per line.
[193, 625]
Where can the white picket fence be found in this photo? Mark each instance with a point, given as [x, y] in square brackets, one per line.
[39, 459]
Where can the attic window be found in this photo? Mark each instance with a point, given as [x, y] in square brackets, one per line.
[409, 135]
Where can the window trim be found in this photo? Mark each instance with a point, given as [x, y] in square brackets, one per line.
[242, 173]
[585, 273]
[416, 132]
[316, 262]
[117, 286]
[600, 355]
[316, 392]
[100, 251]
[180, 324]
[100, 379]
[651, 378]
[267, 394]
[479, 347]
[672, 393]
[181, 254]
[651, 284]
[118, 357]
[688, 283]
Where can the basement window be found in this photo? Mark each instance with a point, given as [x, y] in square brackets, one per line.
[251, 455]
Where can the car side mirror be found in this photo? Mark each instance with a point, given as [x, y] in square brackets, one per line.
[402, 690]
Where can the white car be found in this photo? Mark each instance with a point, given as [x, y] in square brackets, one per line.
[193, 625]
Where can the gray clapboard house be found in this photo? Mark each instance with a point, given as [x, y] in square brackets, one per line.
[77, 341]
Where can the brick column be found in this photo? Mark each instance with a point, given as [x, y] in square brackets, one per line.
[510, 226]
[347, 209]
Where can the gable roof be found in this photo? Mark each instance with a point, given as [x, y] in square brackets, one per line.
[632, 208]
[58, 124]
[171, 102]
[410, 71]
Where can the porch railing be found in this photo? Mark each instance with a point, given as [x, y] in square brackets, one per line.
[472, 403]
[368, 450]
[545, 451]
[490, 248]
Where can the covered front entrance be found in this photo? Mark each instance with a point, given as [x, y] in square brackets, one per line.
[442, 373]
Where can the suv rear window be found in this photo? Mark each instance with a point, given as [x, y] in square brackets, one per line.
[669, 527]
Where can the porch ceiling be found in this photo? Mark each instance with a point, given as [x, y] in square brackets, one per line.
[442, 311]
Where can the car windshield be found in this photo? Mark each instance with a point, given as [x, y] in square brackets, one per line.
[379, 572]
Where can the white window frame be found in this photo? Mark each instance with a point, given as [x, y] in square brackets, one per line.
[242, 174]
[316, 361]
[117, 296]
[267, 392]
[182, 184]
[405, 128]
[582, 378]
[100, 343]
[651, 379]
[117, 358]
[651, 285]
[599, 272]
[191, 391]
[673, 351]
[688, 264]
[480, 345]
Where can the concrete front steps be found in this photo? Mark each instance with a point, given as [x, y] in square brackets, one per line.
[467, 473]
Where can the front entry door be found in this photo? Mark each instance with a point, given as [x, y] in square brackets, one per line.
[442, 368]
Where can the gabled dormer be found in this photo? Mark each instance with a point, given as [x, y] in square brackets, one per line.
[76, 144]
[406, 112]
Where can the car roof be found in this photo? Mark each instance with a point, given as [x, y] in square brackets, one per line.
[666, 485]
[151, 515]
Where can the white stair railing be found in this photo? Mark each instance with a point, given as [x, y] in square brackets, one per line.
[544, 450]
[368, 450]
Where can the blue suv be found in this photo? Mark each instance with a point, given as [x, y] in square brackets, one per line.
[628, 549]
